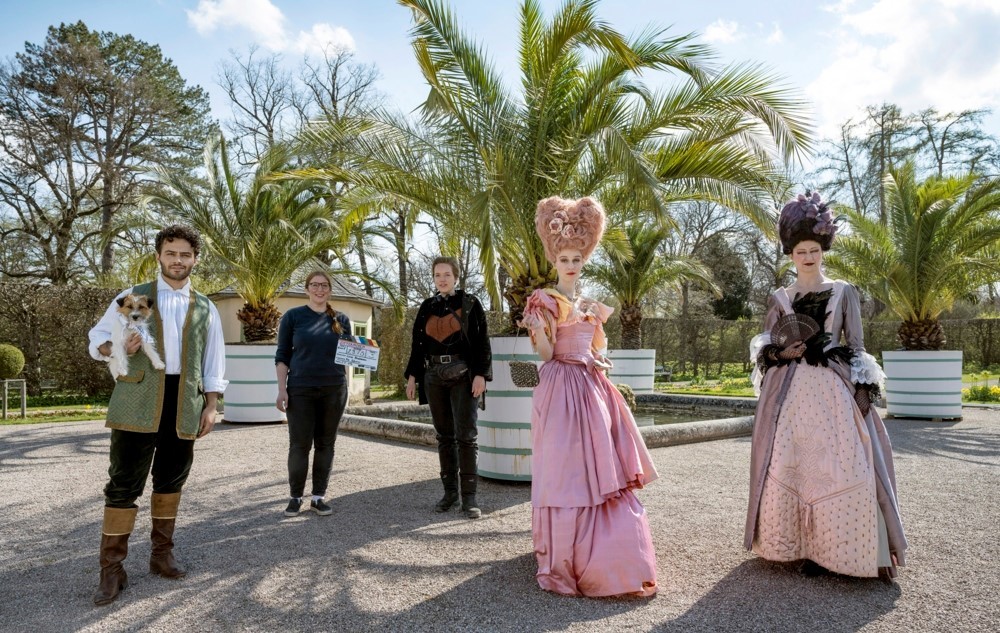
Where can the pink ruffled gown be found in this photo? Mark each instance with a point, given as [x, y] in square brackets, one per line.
[590, 532]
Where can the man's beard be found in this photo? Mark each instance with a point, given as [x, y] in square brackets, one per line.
[176, 276]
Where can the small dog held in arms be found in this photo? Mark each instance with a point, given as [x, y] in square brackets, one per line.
[133, 316]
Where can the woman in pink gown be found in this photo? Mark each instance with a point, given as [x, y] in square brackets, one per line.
[590, 532]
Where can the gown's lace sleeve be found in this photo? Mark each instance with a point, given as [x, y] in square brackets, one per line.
[761, 341]
[865, 369]
[598, 314]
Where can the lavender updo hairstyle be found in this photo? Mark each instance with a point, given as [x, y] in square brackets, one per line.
[806, 217]
[573, 224]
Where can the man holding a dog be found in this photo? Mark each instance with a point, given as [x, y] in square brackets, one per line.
[156, 415]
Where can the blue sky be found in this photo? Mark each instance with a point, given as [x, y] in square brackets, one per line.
[841, 54]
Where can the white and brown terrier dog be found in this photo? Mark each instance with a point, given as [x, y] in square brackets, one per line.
[133, 317]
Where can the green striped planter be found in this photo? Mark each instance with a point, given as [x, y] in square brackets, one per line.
[633, 367]
[923, 384]
[253, 385]
[505, 425]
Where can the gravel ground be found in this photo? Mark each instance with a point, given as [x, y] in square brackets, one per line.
[385, 562]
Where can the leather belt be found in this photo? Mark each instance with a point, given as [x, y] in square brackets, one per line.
[444, 359]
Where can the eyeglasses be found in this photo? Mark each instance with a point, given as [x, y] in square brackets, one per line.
[320, 286]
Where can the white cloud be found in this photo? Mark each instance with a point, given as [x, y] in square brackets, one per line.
[840, 7]
[915, 53]
[260, 17]
[266, 23]
[323, 38]
[723, 31]
[776, 36]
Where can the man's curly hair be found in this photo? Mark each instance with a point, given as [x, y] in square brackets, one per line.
[179, 231]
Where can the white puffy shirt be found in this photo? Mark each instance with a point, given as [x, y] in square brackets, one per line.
[173, 306]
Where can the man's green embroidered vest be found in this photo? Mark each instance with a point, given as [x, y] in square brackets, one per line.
[137, 401]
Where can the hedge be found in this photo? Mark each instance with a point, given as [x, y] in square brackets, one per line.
[49, 324]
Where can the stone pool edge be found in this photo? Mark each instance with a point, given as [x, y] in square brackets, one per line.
[364, 420]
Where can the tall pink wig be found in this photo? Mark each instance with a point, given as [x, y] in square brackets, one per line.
[572, 224]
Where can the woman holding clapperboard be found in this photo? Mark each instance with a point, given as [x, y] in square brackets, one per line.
[312, 389]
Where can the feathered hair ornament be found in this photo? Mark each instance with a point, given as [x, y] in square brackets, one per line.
[806, 217]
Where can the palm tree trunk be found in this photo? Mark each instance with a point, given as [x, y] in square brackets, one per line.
[631, 319]
[259, 324]
[926, 334]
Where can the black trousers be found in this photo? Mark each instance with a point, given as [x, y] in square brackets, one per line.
[133, 454]
[453, 410]
[314, 415]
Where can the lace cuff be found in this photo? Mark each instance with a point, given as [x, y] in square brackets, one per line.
[865, 370]
[758, 343]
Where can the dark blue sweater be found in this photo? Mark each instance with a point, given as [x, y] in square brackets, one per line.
[307, 344]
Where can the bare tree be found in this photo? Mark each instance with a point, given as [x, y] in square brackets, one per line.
[262, 97]
[337, 86]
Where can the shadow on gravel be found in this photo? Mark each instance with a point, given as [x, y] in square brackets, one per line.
[245, 538]
[33, 447]
[924, 438]
[505, 597]
[759, 595]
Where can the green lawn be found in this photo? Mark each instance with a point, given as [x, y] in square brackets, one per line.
[980, 378]
[66, 413]
[738, 387]
[734, 387]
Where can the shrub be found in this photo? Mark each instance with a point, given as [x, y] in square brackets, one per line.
[60, 400]
[11, 361]
[735, 383]
[628, 394]
[981, 393]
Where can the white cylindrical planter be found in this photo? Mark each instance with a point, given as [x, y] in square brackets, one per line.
[923, 384]
[505, 425]
[633, 367]
[253, 385]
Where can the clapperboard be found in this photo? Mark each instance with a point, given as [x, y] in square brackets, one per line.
[358, 352]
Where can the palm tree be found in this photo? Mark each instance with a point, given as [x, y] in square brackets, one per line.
[938, 243]
[630, 278]
[581, 123]
[264, 233]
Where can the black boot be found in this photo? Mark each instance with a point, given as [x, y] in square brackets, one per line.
[450, 497]
[469, 505]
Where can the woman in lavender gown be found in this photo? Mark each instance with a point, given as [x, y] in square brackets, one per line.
[822, 482]
[591, 534]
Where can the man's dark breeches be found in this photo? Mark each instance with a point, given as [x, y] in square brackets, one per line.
[134, 454]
